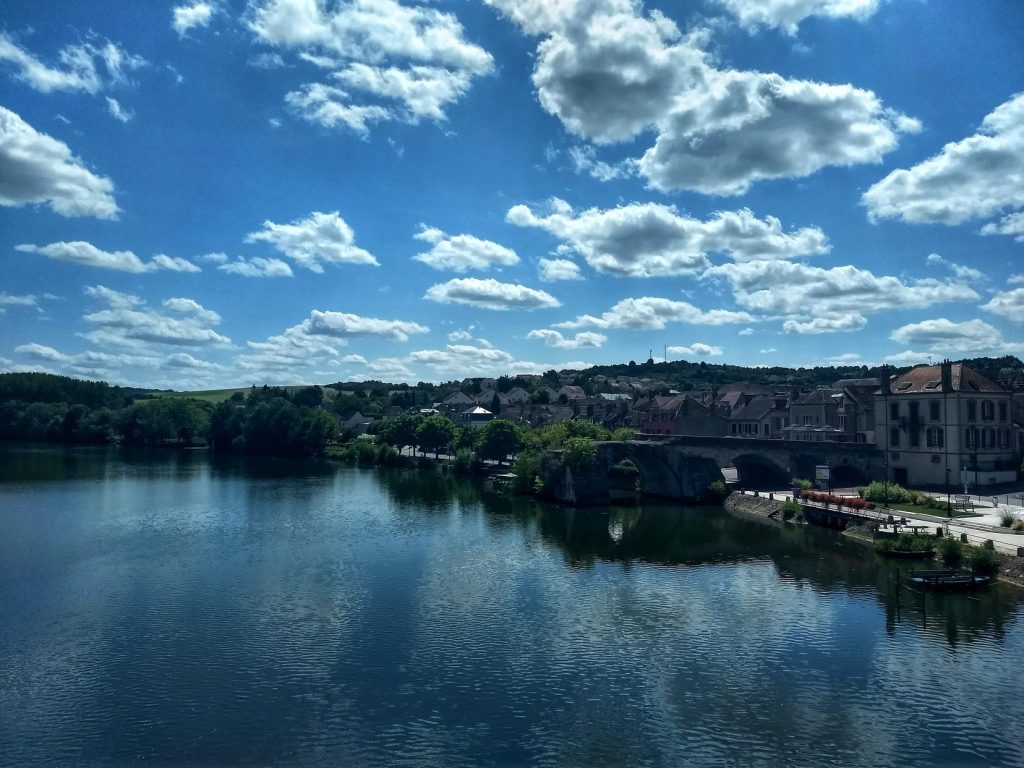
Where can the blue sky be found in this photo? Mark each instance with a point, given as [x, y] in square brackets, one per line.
[226, 193]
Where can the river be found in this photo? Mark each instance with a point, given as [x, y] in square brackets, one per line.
[176, 609]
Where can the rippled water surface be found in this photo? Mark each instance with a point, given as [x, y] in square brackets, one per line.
[171, 609]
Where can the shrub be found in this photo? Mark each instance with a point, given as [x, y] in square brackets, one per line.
[806, 485]
[861, 491]
[527, 470]
[789, 509]
[951, 552]
[1018, 525]
[984, 562]
[880, 492]
[1007, 518]
[466, 462]
[716, 493]
[579, 453]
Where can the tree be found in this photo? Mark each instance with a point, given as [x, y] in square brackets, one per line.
[435, 433]
[498, 439]
[401, 431]
[310, 397]
[495, 404]
[579, 453]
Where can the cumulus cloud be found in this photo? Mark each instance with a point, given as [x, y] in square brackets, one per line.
[460, 336]
[1012, 224]
[650, 313]
[975, 178]
[962, 272]
[385, 60]
[88, 255]
[553, 270]
[192, 308]
[184, 361]
[40, 352]
[87, 67]
[256, 267]
[38, 169]
[11, 300]
[320, 238]
[464, 359]
[128, 327]
[786, 15]
[461, 253]
[817, 299]
[187, 17]
[1008, 305]
[114, 299]
[318, 338]
[943, 336]
[611, 72]
[852, 321]
[88, 364]
[118, 112]
[653, 240]
[696, 350]
[490, 294]
[584, 160]
[552, 338]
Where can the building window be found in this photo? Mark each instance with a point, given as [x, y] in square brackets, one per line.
[935, 437]
[972, 410]
[894, 437]
[1004, 438]
[1002, 410]
[934, 410]
[990, 438]
[971, 437]
[988, 410]
[894, 411]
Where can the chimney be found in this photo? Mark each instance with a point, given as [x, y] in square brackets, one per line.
[946, 374]
[883, 378]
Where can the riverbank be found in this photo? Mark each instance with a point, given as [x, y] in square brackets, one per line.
[758, 506]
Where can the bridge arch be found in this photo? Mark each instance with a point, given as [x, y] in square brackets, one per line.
[756, 469]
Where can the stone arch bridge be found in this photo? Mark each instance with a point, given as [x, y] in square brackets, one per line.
[682, 468]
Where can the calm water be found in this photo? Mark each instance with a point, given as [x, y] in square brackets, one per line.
[170, 609]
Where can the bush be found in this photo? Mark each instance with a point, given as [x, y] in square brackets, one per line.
[1007, 518]
[579, 453]
[789, 509]
[466, 462]
[880, 492]
[984, 562]
[1018, 525]
[951, 552]
[905, 542]
[527, 471]
[716, 493]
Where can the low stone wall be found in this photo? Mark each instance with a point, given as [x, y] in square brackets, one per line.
[761, 506]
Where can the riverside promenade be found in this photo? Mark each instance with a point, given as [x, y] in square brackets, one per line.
[979, 528]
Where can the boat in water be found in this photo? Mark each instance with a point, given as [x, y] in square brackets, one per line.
[946, 580]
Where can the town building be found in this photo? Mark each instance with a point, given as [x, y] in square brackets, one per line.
[946, 425]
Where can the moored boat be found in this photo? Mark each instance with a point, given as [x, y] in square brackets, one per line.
[946, 579]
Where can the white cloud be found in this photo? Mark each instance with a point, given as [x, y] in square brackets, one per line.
[962, 272]
[786, 15]
[611, 72]
[1017, 279]
[185, 361]
[977, 177]
[907, 358]
[746, 332]
[852, 321]
[192, 308]
[1008, 305]
[129, 327]
[353, 359]
[118, 112]
[461, 253]
[584, 160]
[11, 300]
[390, 369]
[82, 67]
[460, 336]
[88, 255]
[172, 264]
[553, 270]
[768, 351]
[650, 313]
[257, 267]
[40, 352]
[696, 350]
[649, 239]
[412, 61]
[846, 358]
[464, 359]
[943, 336]
[213, 258]
[36, 168]
[319, 238]
[490, 294]
[346, 325]
[186, 17]
[817, 299]
[115, 299]
[1012, 224]
[584, 339]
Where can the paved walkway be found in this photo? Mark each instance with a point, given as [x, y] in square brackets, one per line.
[978, 529]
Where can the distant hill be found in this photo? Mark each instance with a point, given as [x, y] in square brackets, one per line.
[50, 388]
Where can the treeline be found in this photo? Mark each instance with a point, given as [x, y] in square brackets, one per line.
[272, 422]
[269, 421]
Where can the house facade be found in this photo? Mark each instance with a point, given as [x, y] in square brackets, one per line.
[946, 425]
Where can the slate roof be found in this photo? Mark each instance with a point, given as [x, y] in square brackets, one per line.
[923, 378]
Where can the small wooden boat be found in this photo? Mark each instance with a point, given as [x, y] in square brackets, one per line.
[946, 579]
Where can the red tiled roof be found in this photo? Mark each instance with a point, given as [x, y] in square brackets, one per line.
[964, 379]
